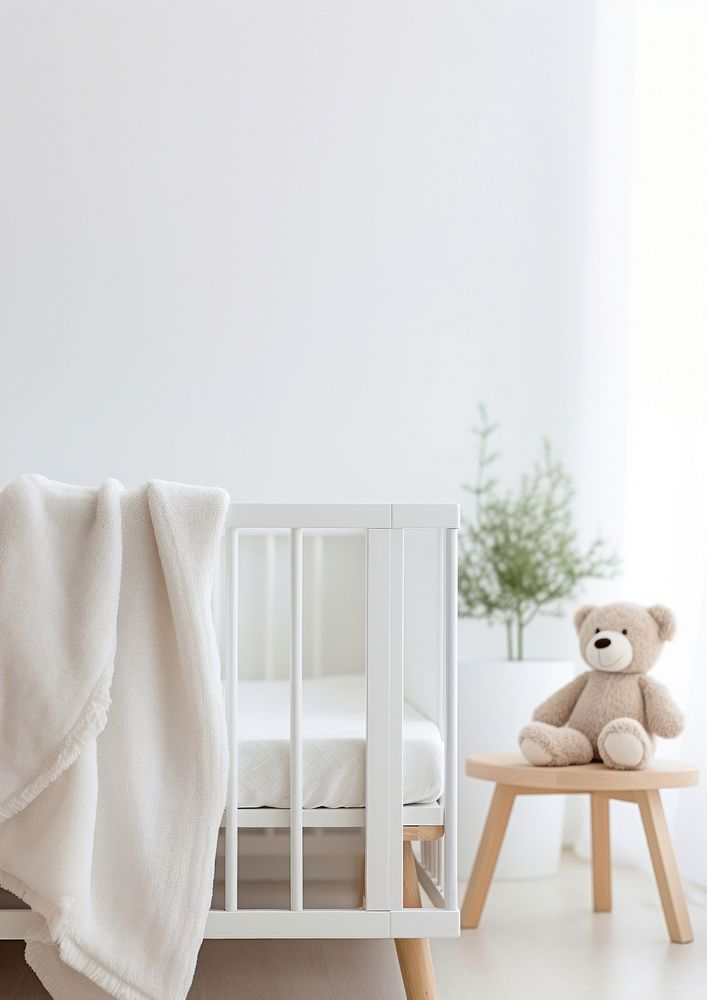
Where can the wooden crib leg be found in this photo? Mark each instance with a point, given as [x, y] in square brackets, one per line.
[414, 954]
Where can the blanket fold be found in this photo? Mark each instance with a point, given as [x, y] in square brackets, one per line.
[113, 743]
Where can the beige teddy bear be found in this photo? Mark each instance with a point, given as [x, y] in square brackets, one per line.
[612, 712]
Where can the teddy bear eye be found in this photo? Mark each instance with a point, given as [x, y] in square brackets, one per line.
[596, 630]
[624, 632]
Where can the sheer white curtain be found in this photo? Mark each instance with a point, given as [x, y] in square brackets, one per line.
[647, 267]
[666, 479]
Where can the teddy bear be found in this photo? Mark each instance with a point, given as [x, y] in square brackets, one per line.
[612, 712]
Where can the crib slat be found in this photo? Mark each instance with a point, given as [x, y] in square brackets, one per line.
[377, 833]
[270, 569]
[441, 586]
[450, 727]
[296, 857]
[317, 604]
[231, 607]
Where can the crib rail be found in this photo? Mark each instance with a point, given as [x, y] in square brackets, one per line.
[383, 816]
[359, 516]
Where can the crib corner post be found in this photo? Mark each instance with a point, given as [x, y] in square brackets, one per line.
[377, 793]
[397, 696]
[231, 608]
[296, 666]
[450, 719]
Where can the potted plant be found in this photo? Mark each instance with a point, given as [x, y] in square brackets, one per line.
[520, 557]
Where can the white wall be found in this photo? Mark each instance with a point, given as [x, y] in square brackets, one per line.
[287, 247]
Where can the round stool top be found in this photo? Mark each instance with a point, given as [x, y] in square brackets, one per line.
[513, 769]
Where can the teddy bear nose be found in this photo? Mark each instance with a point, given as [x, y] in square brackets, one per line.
[602, 643]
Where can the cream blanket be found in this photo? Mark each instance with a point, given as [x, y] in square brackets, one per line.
[113, 743]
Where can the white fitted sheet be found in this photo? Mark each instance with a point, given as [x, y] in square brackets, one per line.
[333, 745]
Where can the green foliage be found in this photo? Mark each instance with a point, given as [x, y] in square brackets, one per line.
[519, 554]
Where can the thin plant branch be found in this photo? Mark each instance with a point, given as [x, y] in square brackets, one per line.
[520, 555]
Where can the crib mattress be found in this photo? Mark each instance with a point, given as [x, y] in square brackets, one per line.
[333, 746]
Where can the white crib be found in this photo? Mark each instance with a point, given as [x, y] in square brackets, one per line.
[390, 583]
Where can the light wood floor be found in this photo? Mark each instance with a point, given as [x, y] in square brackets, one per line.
[538, 940]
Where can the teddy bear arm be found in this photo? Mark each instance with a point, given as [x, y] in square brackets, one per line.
[663, 717]
[556, 709]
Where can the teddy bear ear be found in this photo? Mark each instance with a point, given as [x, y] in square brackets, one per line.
[581, 614]
[665, 619]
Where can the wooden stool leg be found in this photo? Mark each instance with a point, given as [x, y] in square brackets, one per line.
[414, 954]
[601, 854]
[487, 855]
[664, 866]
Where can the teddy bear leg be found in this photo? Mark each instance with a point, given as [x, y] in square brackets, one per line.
[554, 746]
[625, 745]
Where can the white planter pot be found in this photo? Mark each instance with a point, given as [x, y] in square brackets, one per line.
[496, 699]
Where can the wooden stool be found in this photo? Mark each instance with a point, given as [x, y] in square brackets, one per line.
[513, 776]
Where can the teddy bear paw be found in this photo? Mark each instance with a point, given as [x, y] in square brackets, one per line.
[623, 750]
[535, 753]
[624, 745]
[553, 746]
